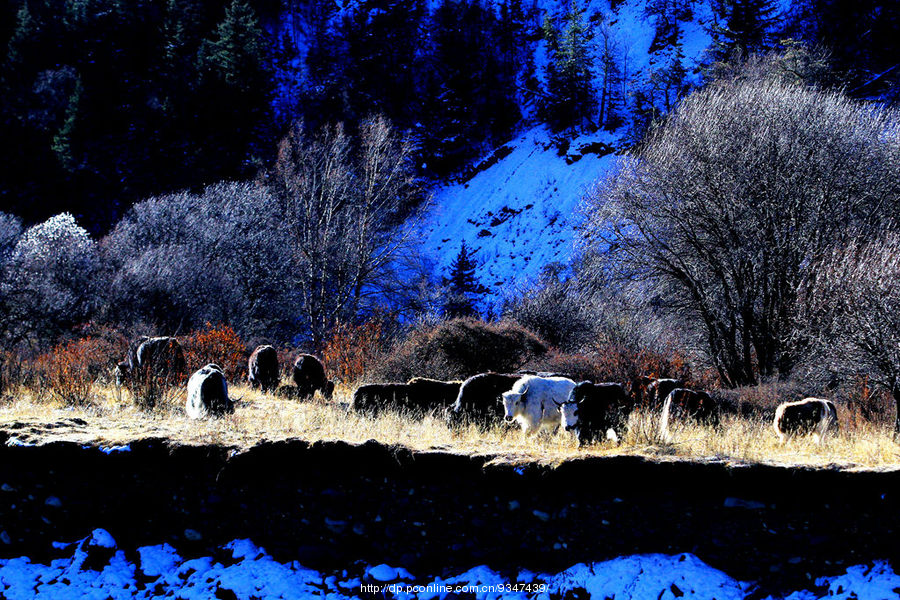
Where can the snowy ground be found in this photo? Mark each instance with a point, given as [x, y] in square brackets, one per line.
[94, 568]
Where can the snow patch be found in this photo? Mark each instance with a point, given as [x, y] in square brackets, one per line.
[14, 441]
[101, 539]
[160, 571]
[115, 449]
[649, 576]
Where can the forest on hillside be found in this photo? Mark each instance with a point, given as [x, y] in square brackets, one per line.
[105, 102]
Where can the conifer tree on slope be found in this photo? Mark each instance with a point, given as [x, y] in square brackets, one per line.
[747, 29]
[463, 286]
[569, 100]
[235, 69]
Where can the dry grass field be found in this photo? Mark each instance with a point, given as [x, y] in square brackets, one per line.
[112, 420]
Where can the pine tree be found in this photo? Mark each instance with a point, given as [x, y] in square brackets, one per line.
[611, 95]
[22, 36]
[235, 67]
[463, 288]
[747, 29]
[569, 101]
[471, 96]
[61, 145]
[238, 51]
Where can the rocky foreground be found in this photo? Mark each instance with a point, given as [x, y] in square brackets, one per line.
[333, 506]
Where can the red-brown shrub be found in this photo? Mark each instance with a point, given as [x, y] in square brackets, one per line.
[460, 348]
[70, 370]
[621, 364]
[286, 357]
[219, 345]
[353, 349]
[866, 403]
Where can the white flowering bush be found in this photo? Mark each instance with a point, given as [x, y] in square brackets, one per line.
[55, 242]
[54, 276]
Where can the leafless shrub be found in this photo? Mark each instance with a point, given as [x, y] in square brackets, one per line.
[554, 308]
[727, 206]
[184, 259]
[796, 64]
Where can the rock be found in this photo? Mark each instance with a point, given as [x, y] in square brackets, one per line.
[741, 503]
[93, 553]
[335, 525]
[225, 593]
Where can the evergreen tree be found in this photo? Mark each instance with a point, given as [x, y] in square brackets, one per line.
[237, 53]
[236, 74]
[569, 101]
[22, 36]
[62, 141]
[612, 79]
[748, 28]
[470, 94]
[463, 288]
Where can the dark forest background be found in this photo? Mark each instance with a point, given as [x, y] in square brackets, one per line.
[105, 102]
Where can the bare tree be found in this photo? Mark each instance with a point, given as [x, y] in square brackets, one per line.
[344, 206]
[554, 308]
[726, 205]
[185, 259]
[852, 309]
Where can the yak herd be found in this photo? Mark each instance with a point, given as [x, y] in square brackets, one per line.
[535, 401]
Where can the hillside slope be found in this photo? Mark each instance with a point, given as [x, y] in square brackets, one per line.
[520, 211]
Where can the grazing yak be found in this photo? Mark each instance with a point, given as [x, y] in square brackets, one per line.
[638, 388]
[160, 357]
[208, 393]
[480, 399]
[659, 389]
[373, 398]
[802, 417]
[262, 368]
[309, 376]
[534, 402]
[594, 411]
[431, 396]
[686, 404]
[420, 396]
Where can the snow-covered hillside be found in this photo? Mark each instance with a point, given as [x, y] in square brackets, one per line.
[520, 211]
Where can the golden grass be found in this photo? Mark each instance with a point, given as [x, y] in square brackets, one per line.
[112, 420]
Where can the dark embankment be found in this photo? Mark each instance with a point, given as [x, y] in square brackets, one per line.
[330, 504]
